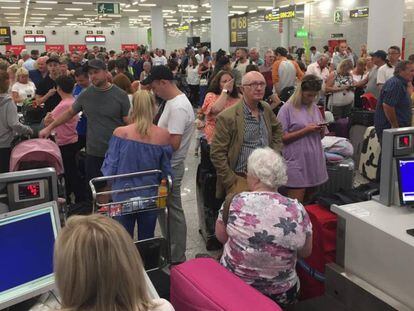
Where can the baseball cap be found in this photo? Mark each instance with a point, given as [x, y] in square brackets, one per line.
[53, 60]
[380, 53]
[158, 73]
[96, 64]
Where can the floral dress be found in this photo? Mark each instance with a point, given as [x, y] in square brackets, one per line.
[265, 230]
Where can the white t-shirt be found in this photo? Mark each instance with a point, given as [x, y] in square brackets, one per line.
[199, 57]
[241, 67]
[315, 69]
[192, 75]
[159, 60]
[178, 118]
[385, 73]
[162, 305]
[24, 90]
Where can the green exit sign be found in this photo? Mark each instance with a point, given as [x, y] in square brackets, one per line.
[302, 33]
[108, 8]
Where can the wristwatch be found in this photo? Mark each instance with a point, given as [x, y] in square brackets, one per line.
[225, 91]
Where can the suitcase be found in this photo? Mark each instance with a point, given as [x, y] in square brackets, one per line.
[356, 137]
[341, 176]
[362, 117]
[324, 224]
[340, 127]
[203, 284]
[208, 206]
[370, 155]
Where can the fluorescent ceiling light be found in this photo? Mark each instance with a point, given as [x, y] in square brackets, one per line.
[61, 18]
[82, 3]
[252, 11]
[38, 14]
[147, 4]
[105, 19]
[239, 6]
[188, 11]
[10, 7]
[206, 5]
[91, 15]
[82, 18]
[130, 10]
[48, 9]
[34, 17]
[237, 12]
[47, 2]
[9, 1]
[73, 9]
[65, 14]
[135, 3]
[12, 14]
[265, 8]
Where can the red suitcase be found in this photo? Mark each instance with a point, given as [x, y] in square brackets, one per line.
[324, 250]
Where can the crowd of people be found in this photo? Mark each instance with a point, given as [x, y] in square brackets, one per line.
[259, 117]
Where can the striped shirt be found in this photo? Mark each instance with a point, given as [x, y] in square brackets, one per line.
[255, 136]
[394, 93]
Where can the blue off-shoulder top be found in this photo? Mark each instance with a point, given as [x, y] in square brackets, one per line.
[130, 156]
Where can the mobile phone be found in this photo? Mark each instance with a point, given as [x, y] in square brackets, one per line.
[410, 232]
[323, 124]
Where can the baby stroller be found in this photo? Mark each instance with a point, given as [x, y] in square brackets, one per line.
[39, 153]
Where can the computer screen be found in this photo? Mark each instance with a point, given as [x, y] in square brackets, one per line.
[27, 238]
[405, 171]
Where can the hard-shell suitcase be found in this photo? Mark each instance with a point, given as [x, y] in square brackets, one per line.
[356, 137]
[370, 154]
[341, 176]
[203, 284]
[324, 224]
[362, 117]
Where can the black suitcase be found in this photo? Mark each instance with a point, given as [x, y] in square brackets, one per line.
[341, 177]
[362, 117]
[208, 206]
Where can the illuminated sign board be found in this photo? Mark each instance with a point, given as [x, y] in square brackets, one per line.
[238, 31]
[183, 28]
[302, 33]
[359, 13]
[5, 37]
[286, 12]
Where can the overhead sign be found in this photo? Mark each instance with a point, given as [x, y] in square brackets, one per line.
[269, 17]
[15, 49]
[77, 48]
[108, 8]
[89, 32]
[358, 13]
[338, 17]
[129, 47]
[288, 12]
[238, 31]
[337, 35]
[59, 48]
[39, 32]
[302, 33]
[5, 36]
[183, 28]
[28, 32]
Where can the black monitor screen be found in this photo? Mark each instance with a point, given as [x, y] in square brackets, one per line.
[405, 170]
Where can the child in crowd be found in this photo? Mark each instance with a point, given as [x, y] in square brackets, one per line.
[200, 124]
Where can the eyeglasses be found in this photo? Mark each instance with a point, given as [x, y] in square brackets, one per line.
[256, 85]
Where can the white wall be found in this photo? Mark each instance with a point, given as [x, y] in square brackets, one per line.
[66, 36]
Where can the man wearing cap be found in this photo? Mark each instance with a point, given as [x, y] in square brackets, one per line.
[178, 119]
[46, 91]
[379, 59]
[106, 106]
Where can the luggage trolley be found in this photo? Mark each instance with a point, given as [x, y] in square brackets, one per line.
[156, 251]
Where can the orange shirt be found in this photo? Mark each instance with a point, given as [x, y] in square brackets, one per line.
[210, 127]
[275, 69]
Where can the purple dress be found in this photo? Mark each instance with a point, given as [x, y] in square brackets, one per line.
[304, 157]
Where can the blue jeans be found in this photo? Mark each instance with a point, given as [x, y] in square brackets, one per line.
[146, 224]
[203, 92]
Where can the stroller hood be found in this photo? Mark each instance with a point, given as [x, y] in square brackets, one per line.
[37, 150]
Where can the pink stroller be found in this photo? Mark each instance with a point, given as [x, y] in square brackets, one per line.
[39, 153]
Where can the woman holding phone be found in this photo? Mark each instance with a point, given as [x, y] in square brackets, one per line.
[303, 129]
[221, 95]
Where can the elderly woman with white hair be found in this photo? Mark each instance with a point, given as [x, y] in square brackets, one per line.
[22, 89]
[263, 232]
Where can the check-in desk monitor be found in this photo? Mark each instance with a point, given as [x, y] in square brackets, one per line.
[27, 238]
[405, 171]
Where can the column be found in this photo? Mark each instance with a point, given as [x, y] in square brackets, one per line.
[284, 42]
[157, 28]
[220, 25]
[385, 24]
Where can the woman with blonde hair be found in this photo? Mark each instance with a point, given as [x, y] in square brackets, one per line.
[139, 146]
[303, 128]
[340, 85]
[22, 89]
[98, 267]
